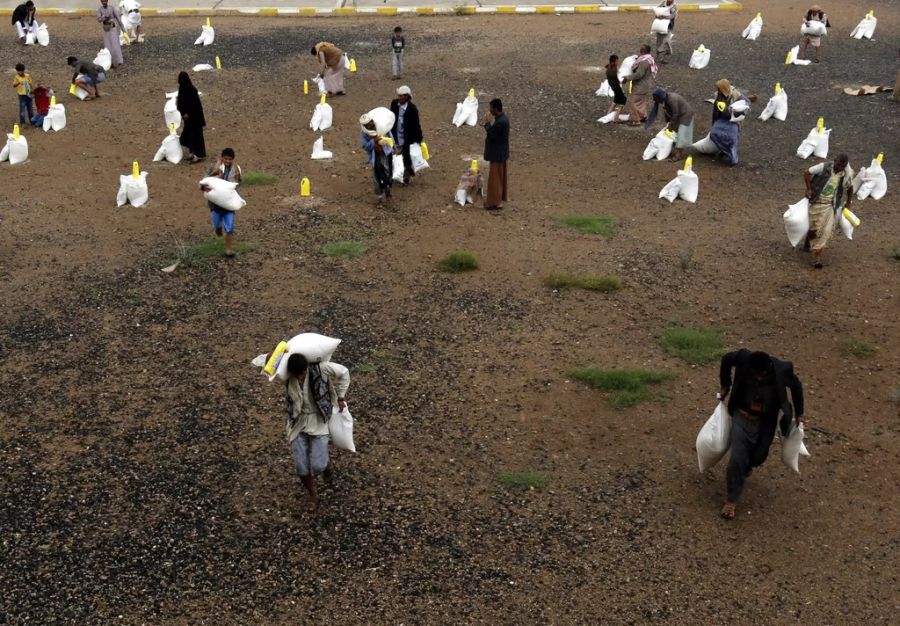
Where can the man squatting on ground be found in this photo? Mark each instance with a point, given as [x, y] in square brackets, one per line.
[759, 393]
[311, 391]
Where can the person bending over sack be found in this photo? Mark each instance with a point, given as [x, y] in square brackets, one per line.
[91, 75]
[311, 391]
[24, 19]
[759, 394]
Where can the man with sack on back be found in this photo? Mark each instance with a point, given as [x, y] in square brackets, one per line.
[759, 394]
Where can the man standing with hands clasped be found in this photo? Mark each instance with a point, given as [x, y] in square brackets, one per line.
[759, 394]
[496, 152]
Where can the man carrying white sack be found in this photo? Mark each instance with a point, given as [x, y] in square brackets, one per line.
[759, 393]
[311, 391]
[825, 188]
[664, 41]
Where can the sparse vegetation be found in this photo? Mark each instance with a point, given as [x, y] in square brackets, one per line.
[857, 348]
[528, 479]
[896, 252]
[590, 224]
[366, 368]
[626, 387]
[459, 261]
[697, 346]
[347, 248]
[602, 283]
[258, 178]
[190, 255]
[685, 257]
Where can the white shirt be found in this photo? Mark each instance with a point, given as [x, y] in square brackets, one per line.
[400, 129]
[305, 410]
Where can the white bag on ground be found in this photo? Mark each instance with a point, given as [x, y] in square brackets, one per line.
[792, 447]
[80, 93]
[340, 429]
[659, 26]
[660, 146]
[699, 58]
[777, 106]
[170, 150]
[171, 112]
[397, 167]
[133, 190]
[320, 84]
[754, 28]
[815, 143]
[605, 90]
[714, 438]
[207, 36]
[42, 36]
[705, 146]
[103, 59]
[203, 67]
[15, 151]
[871, 181]
[461, 197]
[866, 28]
[223, 193]
[813, 28]
[796, 221]
[793, 57]
[319, 151]
[56, 117]
[29, 39]
[418, 161]
[671, 189]
[321, 117]
[384, 120]
[315, 347]
[611, 116]
[467, 111]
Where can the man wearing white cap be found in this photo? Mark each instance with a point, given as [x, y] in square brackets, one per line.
[407, 129]
[378, 150]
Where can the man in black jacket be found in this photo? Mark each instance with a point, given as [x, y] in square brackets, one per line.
[496, 152]
[759, 394]
[407, 129]
[24, 19]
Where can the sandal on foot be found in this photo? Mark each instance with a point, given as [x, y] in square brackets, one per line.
[729, 510]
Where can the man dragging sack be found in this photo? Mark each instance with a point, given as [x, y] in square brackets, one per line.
[759, 394]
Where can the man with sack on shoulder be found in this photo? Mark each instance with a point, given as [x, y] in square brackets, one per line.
[759, 394]
[311, 391]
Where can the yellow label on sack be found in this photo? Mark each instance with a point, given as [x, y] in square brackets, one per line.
[53, 101]
[322, 99]
[275, 359]
[472, 92]
[16, 131]
[425, 154]
[880, 157]
[387, 141]
[777, 87]
[851, 217]
[688, 162]
[304, 187]
[474, 165]
[73, 89]
[135, 170]
[720, 105]
[208, 23]
[820, 125]
[352, 65]
[787, 59]
[218, 63]
[172, 129]
[305, 87]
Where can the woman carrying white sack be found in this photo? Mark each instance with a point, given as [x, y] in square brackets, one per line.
[815, 20]
[222, 217]
[679, 119]
[826, 185]
[759, 394]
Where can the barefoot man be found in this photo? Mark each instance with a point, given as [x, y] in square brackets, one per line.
[311, 390]
[759, 394]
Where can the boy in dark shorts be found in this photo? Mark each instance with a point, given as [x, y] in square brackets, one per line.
[223, 219]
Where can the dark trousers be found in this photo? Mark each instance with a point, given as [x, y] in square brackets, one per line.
[750, 441]
[25, 110]
[408, 171]
[382, 173]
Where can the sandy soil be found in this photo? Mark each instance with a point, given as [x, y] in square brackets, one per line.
[145, 477]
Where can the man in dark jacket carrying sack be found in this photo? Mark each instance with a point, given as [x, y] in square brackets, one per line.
[759, 394]
[407, 129]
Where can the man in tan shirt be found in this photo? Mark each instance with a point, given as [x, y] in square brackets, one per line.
[332, 63]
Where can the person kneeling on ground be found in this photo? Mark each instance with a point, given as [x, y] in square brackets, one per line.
[90, 75]
[825, 186]
[24, 19]
[223, 219]
[379, 149]
[760, 392]
[311, 391]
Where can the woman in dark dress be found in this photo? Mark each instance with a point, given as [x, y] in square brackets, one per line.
[192, 113]
[612, 75]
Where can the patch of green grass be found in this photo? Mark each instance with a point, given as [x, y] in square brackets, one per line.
[367, 368]
[697, 345]
[347, 248]
[258, 178]
[133, 296]
[626, 387]
[528, 479]
[685, 257]
[856, 347]
[896, 252]
[190, 255]
[895, 396]
[590, 224]
[602, 283]
[459, 261]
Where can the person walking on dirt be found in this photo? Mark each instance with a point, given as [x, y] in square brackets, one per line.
[407, 129]
[191, 109]
[223, 219]
[111, 25]
[664, 40]
[641, 76]
[612, 78]
[815, 14]
[331, 66]
[825, 187]
[378, 149]
[496, 153]
[759, 394]
[311, 391]
[679, 118]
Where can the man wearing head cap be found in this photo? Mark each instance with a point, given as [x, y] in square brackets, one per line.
[761, 383]
[826, 184]
[730, 107]
[641, 75]
[407, 129]
[679, 117]
[378, 148]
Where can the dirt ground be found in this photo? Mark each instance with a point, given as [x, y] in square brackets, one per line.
[145, 476]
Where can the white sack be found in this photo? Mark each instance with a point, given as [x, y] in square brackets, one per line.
[29, 39]
[796, 221]
[462, 197]
[699, 58]
[793, 57]
[466, 112]
[319, 151]
[605, 90]
[660, 146]
[418, 161]
[714, 438]
[871, 181]
[316, 348]
[792, 447]
[322, 117]
[866, 28]
[661, 11]
[611, 116]
[340, 429]
[397, 167]
[223, 193]
[625, 67]
[43, 35]
[705, 146]
[133, 190]
[15, 151]
[103, 59]
[384, 120]
[739, 110]
[690, 185]
[671, 189]
[80, 93]
[56, 117]
[777, 107]
[207, 36]
[754, 28]
[170, 150]
[171, 112]
[815, 143]
[320, 84]
[659, 26]
[813, 28]
[203, 67]
[846, 225]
